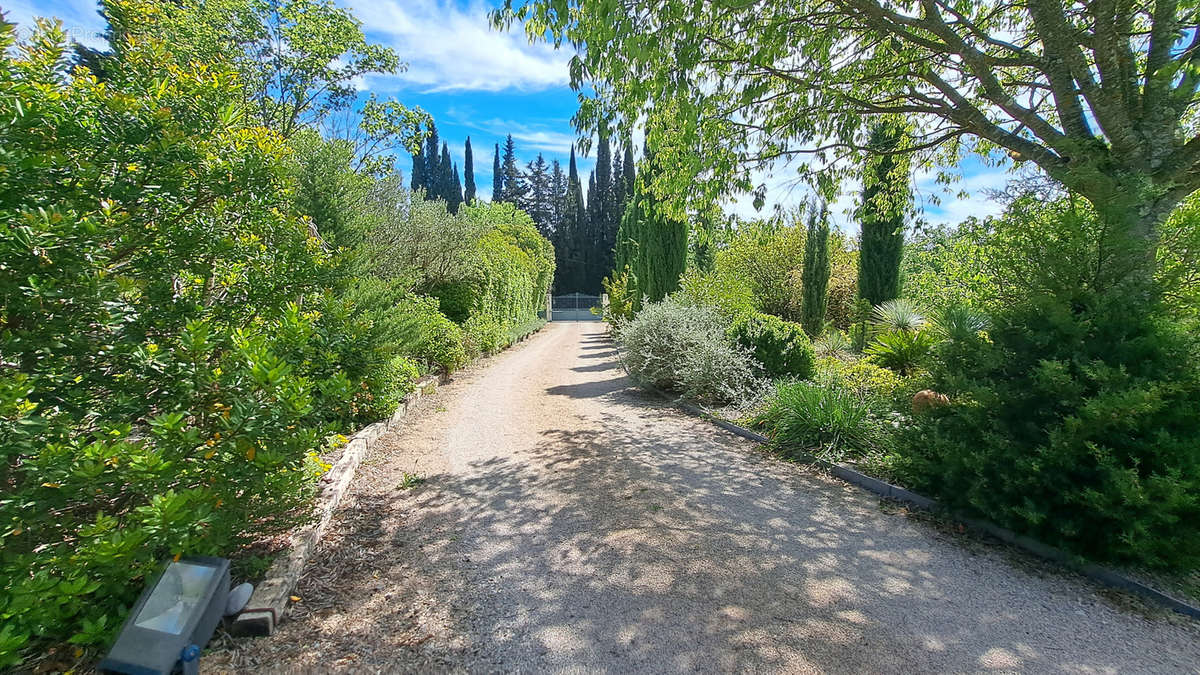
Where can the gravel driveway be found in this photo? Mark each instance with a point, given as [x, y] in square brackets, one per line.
[568, 522]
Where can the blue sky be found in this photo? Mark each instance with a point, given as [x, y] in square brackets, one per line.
[485, 84]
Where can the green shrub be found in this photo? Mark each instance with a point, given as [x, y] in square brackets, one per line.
[882, 388]
[901, 350]
[826, 419]
[442, 345]
[1077, 422]
[781, 347]
[485, 334]
[682, 348]
[728, 294]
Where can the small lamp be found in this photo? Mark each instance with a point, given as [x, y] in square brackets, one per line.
[172, 620]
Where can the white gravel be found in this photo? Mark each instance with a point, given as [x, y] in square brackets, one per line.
[570, 523]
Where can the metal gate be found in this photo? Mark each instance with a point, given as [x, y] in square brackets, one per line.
[574, 307]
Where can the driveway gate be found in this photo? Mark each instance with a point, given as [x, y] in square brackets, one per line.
[574, 307]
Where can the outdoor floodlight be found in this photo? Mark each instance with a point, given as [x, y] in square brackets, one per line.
[173, 620]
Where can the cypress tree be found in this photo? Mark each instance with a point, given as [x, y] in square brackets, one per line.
[886, 199]
[815, 278]
[497, 177]
[590, 256]
[433, 170]
[570, 268]
[653, 246]
[449, 186]
[558, 196]
[456, 195]
[630, 167]
[469, 173]
[418, 172]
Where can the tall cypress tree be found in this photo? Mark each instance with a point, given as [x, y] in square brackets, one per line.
[570, 256]
[630, 167]
[497, 177]
[606, 220]
[653, 246]
[456, 196]
[418, 172]
[815, 279]
[447, 191]
[886, 200]
[590, 256]
[558, 199]
[468, 173]
[433, 170]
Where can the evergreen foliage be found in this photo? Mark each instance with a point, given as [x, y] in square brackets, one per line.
[497, 177]
[650, 244]
[816, 271]
[886, 200]
[468, 173]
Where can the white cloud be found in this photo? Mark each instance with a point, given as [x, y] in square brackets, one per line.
[80, 20]
[449, 47]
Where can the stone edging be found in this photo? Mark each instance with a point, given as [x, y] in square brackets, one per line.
[1103, 575]
[266, 607]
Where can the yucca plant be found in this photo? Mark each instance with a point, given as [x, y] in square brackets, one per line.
[833, 343]
[900, 314]
[958, 323]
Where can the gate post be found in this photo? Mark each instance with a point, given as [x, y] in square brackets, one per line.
[549, 306]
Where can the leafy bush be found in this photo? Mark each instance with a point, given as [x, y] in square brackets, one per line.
[901, 350]
[1078, 423]
[484, 334]
[781, 347]
[442, 345]
[882, 388]
[728, 294]
[682, 348]
[821, 418]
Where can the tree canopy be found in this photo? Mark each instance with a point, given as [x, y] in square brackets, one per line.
[1099, 94]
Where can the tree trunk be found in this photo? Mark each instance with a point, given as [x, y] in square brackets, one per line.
[1132, 215]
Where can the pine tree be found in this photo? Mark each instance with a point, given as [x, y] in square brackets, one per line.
[497, 177]
[815, 279]
[513, 187]
[469, 174]
[886, 199]
[538, 200]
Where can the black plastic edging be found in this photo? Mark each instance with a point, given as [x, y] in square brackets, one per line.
[1103, 575]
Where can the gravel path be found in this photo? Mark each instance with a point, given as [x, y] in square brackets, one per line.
[568, 522]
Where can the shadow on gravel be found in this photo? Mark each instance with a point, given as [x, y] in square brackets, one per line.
[623, 546]
[626, 549]
[590, 389]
